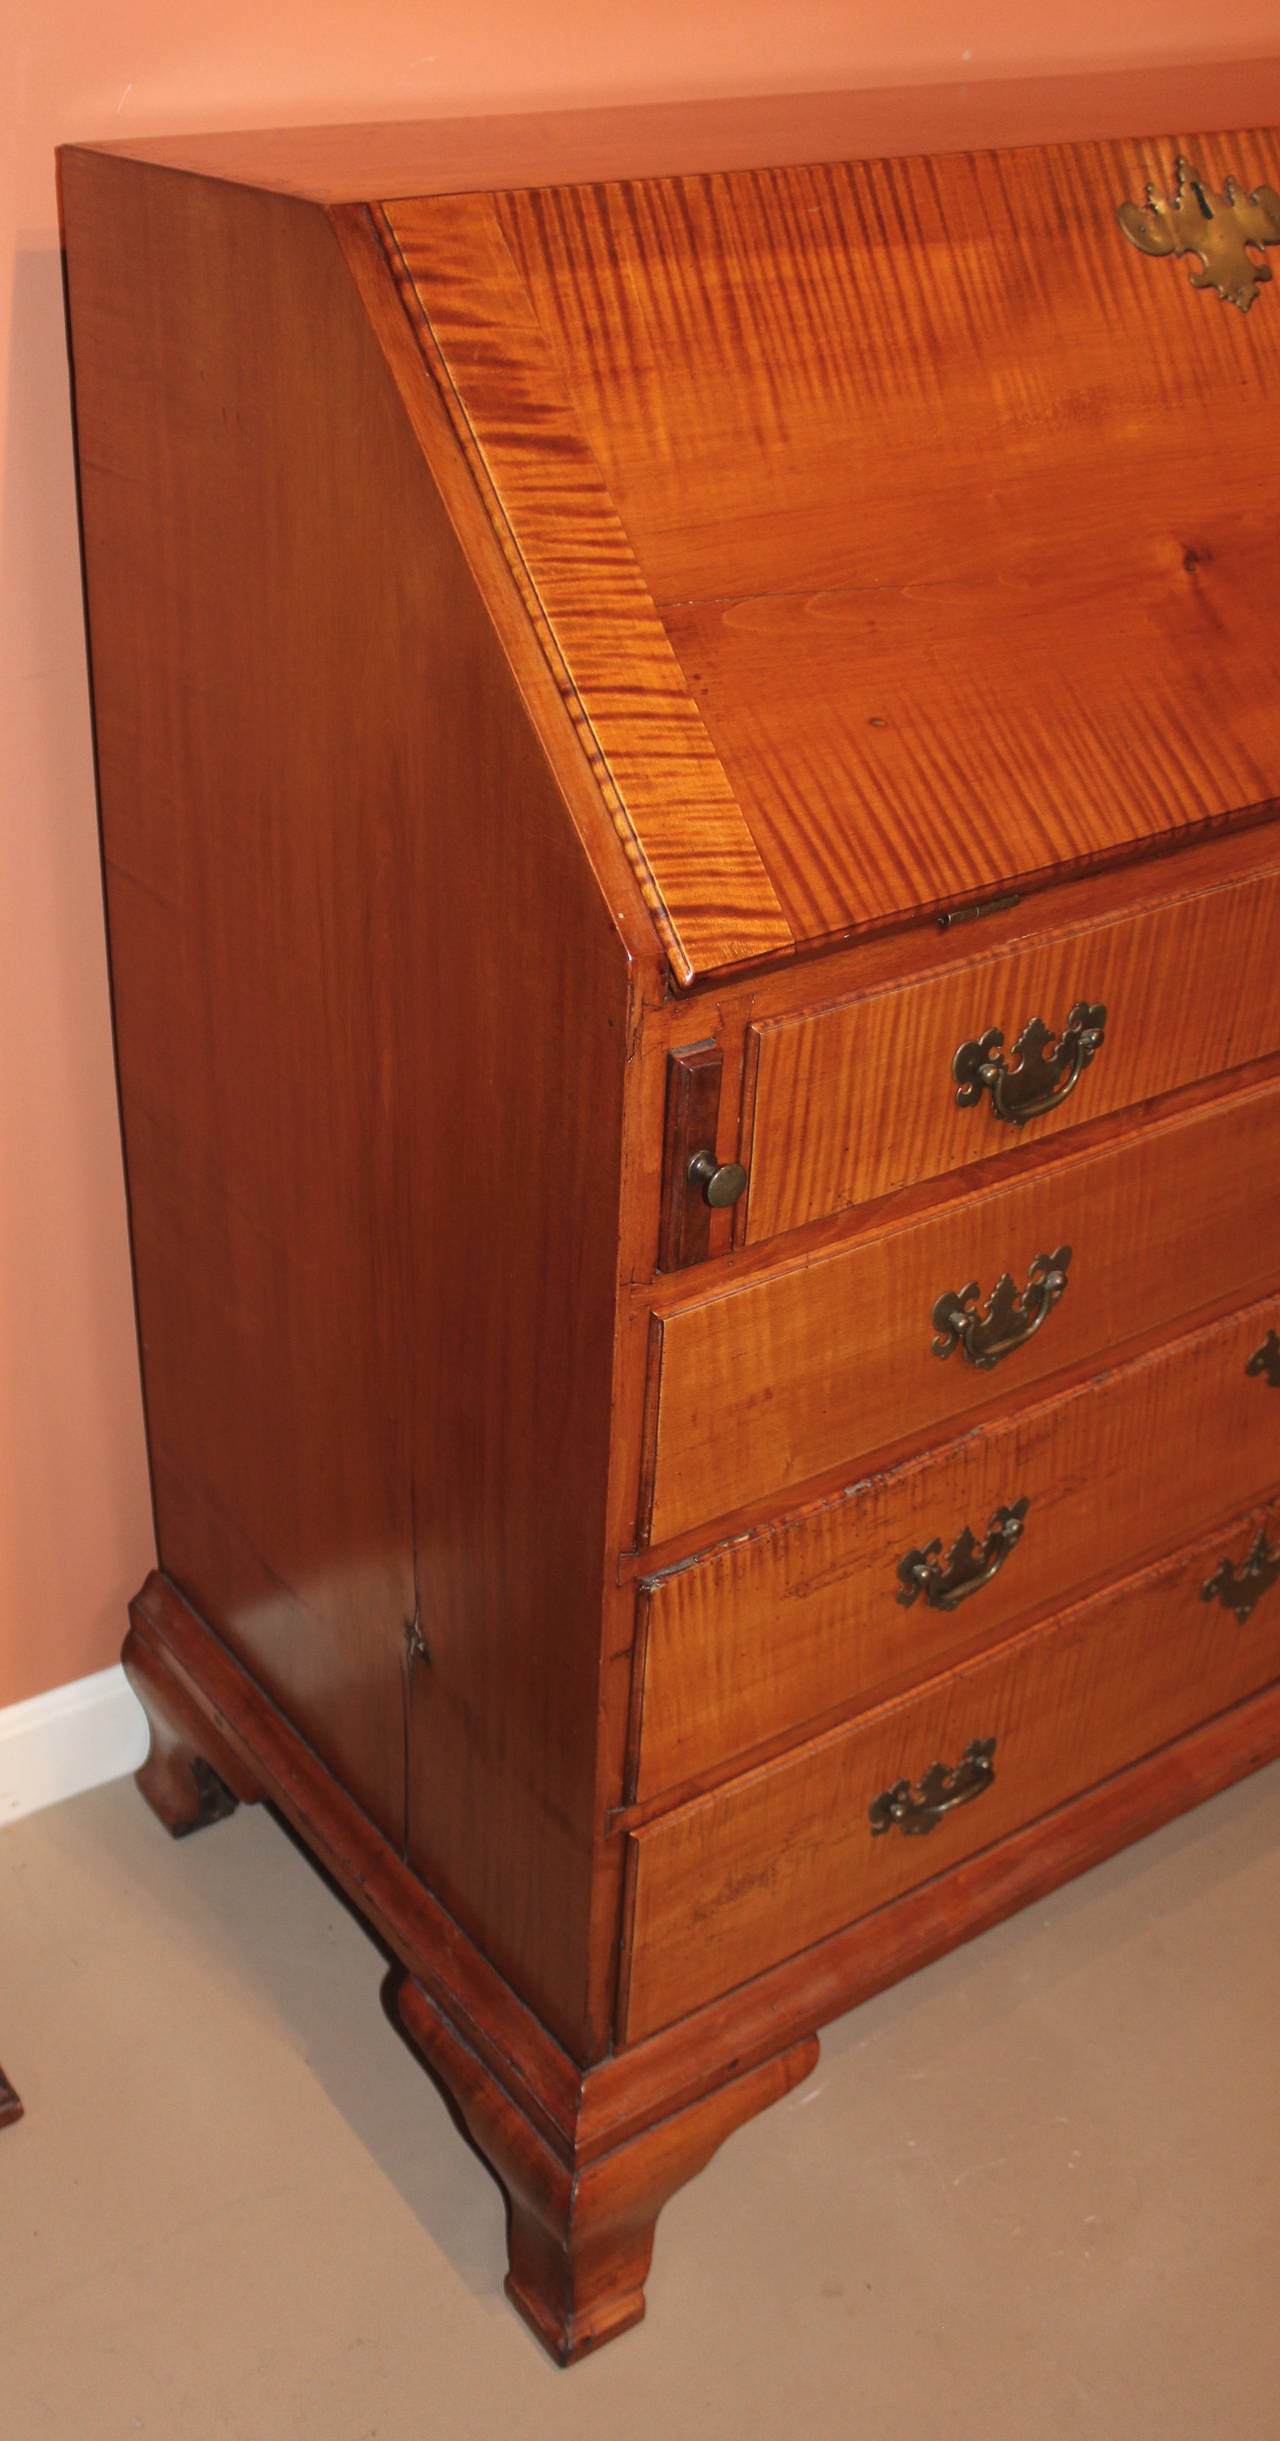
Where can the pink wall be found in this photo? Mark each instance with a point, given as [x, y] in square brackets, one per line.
[74, 1521]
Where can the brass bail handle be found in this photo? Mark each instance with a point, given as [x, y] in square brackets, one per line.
[968, 1566]
[915, 1811]
[1264, 1363]
[1048, 1066]
[1240, 1587]
[1010, 1317]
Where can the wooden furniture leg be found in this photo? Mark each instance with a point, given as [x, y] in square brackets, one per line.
[190, 1778]
[587, 2156]
[580, 2234]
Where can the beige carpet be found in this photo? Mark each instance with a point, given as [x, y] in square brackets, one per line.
[1034, 2192]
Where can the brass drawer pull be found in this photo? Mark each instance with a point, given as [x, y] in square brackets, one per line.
[1049, 1066]
[968, 1564]
[721, 1183]
[1266, 1360]
[1009, 1318]
[915, 1811]
[1240, 1589]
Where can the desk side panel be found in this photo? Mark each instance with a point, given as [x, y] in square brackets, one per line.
[371, 1023]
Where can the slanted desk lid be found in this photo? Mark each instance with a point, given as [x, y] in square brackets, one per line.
[900, 531]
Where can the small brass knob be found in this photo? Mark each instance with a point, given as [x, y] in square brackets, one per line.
[721, 1183]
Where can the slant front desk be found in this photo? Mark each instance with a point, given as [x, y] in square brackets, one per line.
[689, 756]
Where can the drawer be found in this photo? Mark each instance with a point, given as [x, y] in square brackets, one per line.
[735, 1882]
[851, 1101]
[796, 1374]
[807, 1615]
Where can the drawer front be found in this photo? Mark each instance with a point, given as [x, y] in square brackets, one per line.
[793, 1376]
[855, 1100]
[732, 1884]
[808, 1615]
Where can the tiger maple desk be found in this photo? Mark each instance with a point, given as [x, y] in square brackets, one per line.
[689, 749]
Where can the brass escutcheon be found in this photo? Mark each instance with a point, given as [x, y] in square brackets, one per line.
[1219, 229]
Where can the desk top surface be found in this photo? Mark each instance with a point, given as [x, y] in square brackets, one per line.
[900, 529]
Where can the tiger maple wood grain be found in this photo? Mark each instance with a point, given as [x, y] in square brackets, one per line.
[766, 1386]
[854, 1100]
[818, 424]
[726, 1887]
[698, 865]
[803, 1615]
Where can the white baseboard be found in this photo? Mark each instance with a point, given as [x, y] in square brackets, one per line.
[73, 1738]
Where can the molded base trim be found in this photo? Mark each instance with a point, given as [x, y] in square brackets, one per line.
[75, 1737]
[580, 2235]
[589, 2153]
